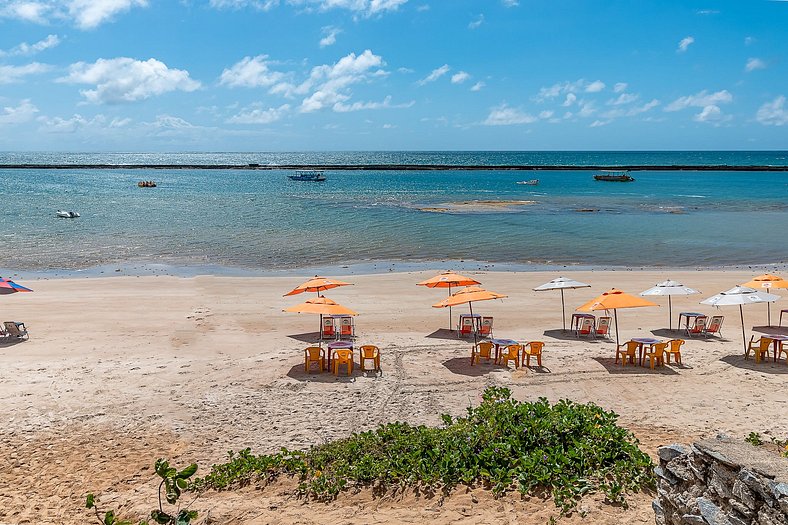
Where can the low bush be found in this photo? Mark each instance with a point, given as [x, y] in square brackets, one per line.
[566, 450]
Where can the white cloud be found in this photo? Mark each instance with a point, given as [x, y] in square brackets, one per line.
[11, 74]
[773, 113]
[623, 98]
[586, 110]
[119, 80]
[631, 111]
[435, 75]
[259, 115]
[684, 44]
[748, 40]
[460, 77]
[365, 8]
[329, 36]
[476, 23]
[91, 13]
[712, 114]
[546, 114]
[562, 88]
[70, 125]
[707, 12]
[753, 64]
[478, 86]
[25, 49]
[599, 123]
[595, 87]
[359, 106]
[261, 5]
[505, 115]
[29, 11]
[20, 114]
[619, 87]
[700, 100]
[250, 72]
[569, 100]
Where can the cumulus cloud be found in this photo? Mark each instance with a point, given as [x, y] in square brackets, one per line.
[29, 11]
[25, 49]
[329, 36]
[364, 8]
[623, 98]
[711, 114]
[595, 87]
[620, 87]
[476, 23]
[510, 3]
[700, 100]
[12, 74]
[684, 44]
[78, 123]
[120, 80]
[505, 115]
[435, 74]
[359, 106]
[20, 114]
[773, 113]
[563, 88]
[250, 72]
[478, 86]
[631, 111]
[259, 115]
[753, 64]
[261, 5]
[91, 13]
[460, 77]
[569, 100]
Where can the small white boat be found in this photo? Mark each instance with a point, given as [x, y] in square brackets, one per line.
[532, 182]
[308, 176]
[67, 214]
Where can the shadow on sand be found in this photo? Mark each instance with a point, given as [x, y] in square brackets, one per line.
[776, 330]
[615, 368]
[444, 333]
[327, 376]
[767, 366]
[569, 335]
[462, 366]
[308, 337]
[10, 341]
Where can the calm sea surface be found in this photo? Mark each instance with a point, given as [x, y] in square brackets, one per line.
[261, 220]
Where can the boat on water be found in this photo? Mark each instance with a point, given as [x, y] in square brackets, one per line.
[614, 176]
[66, 214]
[308, 176]
[532, 182]
[146, 184]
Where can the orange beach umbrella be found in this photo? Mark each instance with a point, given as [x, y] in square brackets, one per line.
[613, 300]
[320, 305]
[767, 282]
[317, 284]
[469, 294]
[448, 279]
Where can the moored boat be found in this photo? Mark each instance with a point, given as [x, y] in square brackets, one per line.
[308, 176]
[614, 176]
[67, 214]
[532, 182]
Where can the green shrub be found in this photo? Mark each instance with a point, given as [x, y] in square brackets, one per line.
[566, 450]
[754, 439]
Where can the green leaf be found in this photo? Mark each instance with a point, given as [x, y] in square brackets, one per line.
[187, 472]
[181, 483]
[160, 517]
[109, 518]
[161, 467]
[90, 501]
[185, 517]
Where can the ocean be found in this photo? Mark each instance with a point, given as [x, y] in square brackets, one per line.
[262, 221]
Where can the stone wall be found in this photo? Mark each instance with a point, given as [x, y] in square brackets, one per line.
[721, 482]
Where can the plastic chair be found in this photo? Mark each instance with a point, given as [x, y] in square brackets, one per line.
[466, 328]
[370, 352]
[343, 356]
[329, 331]
[586, 327]
[532, 348]
[656, 354]
[674, 350]
[346, 328]
[699, 328]
[714, 327]
[760, 348]
[485, 329]
[512, 353]
[780, 351]
[483, 349]
[313, 354]
[784, 311]
[603, 328]
[14, 329]
[630, 351]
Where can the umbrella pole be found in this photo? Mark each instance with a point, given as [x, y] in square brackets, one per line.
[615, 316]
[670, 314]
[449, 308]
[320, 330]
[563, 309]
[470, 306]
[743, 337]
[769, 314]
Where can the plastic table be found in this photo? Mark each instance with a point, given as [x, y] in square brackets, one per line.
[498, 344]
[336, 345]
[777, 340]
[642, 342]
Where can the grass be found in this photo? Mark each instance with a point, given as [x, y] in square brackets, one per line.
[566, 450]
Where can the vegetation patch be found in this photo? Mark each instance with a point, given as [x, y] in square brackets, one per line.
[565, 450]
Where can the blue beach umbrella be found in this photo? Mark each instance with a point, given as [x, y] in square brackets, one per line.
[7, 286]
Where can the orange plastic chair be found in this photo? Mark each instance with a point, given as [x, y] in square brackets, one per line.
[346, 328]
[630, 351]
[603, 328]
[329, 331]
[760, 348]
[656, 354]
[699, 328]
[532, 348]
[313, 354]
[343, 356]
[512, 353]
[466, 329]
[485, 330]
[483, 349]
[780, 351]
[370, 352]
[586, 327]
[674, 350]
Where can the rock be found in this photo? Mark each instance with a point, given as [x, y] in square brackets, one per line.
[679, 467]
[744, 494]
[670, 452]
[769, 516]
[741, 508]
[659, 513]
[712, 513]
[692, 519]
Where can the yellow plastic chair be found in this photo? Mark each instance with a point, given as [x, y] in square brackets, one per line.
[483, 349]
[512, 353]
[760, 348]
[370, 352]
[343, 356]
[780, 351]
[313, 354]
[656, 354]
[532, 348]
[630, 349]
[674, 350]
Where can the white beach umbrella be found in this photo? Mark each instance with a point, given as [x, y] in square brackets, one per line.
[740, 295]
[562, 283]
[669, 288]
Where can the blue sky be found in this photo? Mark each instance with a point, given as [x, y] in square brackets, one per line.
[289, 75]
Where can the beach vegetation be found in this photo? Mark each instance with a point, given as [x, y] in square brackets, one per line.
[565, 451]
[754, 439]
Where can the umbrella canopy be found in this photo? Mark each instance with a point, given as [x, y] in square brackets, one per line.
[7, 286]
[740, 295]
[320, 305]
[669, 288]
[448, 279]
[468, 295]
[317, 284]
[769, 282]
[613, 300]
[562, 283]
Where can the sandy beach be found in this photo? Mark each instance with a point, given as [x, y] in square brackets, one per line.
[119, 371]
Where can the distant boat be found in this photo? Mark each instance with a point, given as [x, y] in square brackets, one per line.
[146, 184]
[614, 176]
[532, 182]
[67, 214]
[308, 176]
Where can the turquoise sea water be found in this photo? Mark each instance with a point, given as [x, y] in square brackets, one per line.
[261, 220]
